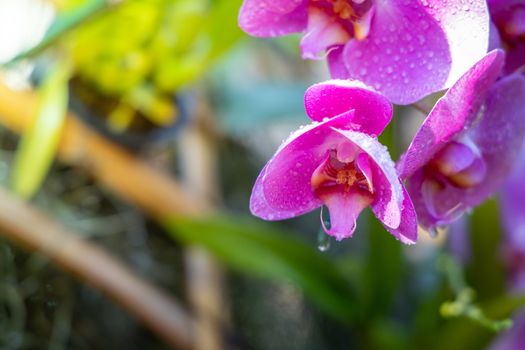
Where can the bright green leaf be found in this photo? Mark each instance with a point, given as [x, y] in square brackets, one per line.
[222, 26]
[39, 143]
[384, 268]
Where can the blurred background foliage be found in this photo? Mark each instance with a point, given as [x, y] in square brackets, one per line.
[140, 66]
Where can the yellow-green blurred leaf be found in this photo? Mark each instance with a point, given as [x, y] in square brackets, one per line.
[39, 143]
[222, 26]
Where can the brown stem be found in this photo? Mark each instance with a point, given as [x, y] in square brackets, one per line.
[204, 275]
[133, 179]
[28, 227]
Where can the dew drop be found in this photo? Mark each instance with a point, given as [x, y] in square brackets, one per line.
[432, 232]
[323, 241]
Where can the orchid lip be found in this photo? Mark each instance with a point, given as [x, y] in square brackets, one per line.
[343, 180]
[351, 16]
[333, 23]
[334, 172]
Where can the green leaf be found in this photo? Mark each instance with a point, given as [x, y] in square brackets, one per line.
[259, 249]
[222, 26]
[465, 334]
[383, 269]
[485, 272]
[39, 143]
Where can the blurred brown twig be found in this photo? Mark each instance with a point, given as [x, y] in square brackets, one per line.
[26, 226]
[133, 179]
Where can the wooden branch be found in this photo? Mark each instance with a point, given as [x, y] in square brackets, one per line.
[24, 225]
[135, 180]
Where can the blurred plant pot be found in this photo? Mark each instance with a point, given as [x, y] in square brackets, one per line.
[93, 108]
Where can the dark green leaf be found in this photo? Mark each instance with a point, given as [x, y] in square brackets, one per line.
[383, 269]
[259, 249]
[485, 272]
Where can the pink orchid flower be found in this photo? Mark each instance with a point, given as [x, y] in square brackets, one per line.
[467, 145]
[405, 49]
[337, 161]
[509, 19]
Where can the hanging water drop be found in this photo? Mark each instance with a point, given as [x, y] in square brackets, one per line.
[432, 232]
[323, 241]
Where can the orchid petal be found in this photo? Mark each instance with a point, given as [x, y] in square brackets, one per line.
[509, 18]
[406, 232]
[270, 18]
[470, 176]
[454, 112]
[421, 199]
[363, 163]
[494, 38]
[466, 24]
[283, 189]
[321, 33]
[344, 208]
[499, 136]
[336, 63]
[454, 158]
[372, 111]
[414, 49]
[515, 58]
[512, 200]
[388, 192]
